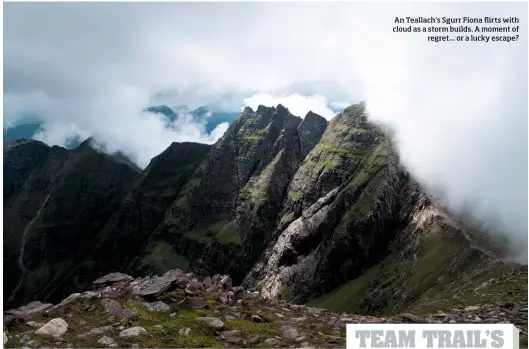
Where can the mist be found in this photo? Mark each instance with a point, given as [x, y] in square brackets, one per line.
[459, 110]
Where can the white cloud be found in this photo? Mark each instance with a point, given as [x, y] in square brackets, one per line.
[459, 109]
[297, 104]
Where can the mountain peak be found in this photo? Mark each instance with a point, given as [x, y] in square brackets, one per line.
[310, 131]
[12, 143]
[87, 143]
[164, 110]
[356, 111]
[262, 109]
[311, 116]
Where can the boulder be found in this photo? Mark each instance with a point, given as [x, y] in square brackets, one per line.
[133, 332]
[207, 282]
[112, 278]
[55, 328]
[226, 283]
[158, 306]
[155, 286]
[212, 322]
[33, 308]
[112, 306]
[107, 341]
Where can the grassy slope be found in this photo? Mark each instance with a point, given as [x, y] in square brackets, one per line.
[435, 281]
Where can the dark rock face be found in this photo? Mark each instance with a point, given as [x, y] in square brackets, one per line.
[124, 237]
[310, 131]
[66, 197]
[288, 207]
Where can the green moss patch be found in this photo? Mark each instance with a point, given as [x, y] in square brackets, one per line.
[264, 329]
[201, 336]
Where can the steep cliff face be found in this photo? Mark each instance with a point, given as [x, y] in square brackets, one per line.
[224, 216]
[55, 206]
[302, 209]
[122, 242]
[342, 208]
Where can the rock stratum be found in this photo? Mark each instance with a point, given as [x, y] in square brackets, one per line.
[307, 211]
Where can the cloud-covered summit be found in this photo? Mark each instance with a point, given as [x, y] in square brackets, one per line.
[459, 110]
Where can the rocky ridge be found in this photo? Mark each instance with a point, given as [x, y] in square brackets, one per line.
[178, 309]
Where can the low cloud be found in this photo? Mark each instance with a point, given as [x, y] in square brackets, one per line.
[297, 104]
[459, 110]
[121, 124]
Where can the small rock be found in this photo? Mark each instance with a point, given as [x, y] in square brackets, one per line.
[280, 315]
[55, 328]
[212, 322]
[472, 308]
[207, 282]
[106, 341]
[160, 327]
[299, 339]
[133, 332]
[412, 318]
[233, 340]
[33, 344]
[111, 306]
[130, 314]
[184, 331]
[299, 319]
[25, 338]
[257, 318]
[230, 333]
[158, 306]
[173, 315]
[224, 299]
[226, 283]
[96, 331]
[90, 295]
[195, 303]
[254, 339]
[271, 341]
[135, 346]
[290, 332]
[194, 288]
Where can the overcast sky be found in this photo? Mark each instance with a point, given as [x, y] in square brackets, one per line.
[459, 109]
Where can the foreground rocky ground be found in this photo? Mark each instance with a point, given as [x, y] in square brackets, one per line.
[177, 310]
